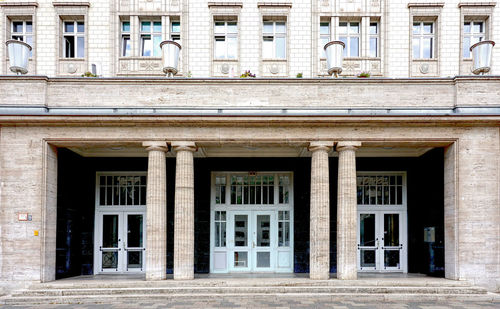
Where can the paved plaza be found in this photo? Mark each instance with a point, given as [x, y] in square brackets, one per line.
[277, 302]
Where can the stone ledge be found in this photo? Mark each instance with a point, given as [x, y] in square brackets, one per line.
[461, 4]
[425, 4]
[19, 4]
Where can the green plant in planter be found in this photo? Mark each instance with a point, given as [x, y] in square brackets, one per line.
[299, 75]
[88, 74]
[364, 75]
[247, 74]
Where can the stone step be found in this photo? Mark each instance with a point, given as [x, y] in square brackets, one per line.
[220, 290]
[109, 299]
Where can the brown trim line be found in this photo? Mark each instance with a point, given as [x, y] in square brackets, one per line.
[225, 4]
[79, 3]
[274, 4]
[425, 4]
[461, 4]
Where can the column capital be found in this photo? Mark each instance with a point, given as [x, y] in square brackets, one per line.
[184, 146]
[155, 145]
[320, 145]
[348, 145]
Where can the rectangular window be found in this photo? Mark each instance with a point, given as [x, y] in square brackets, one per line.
[225, 40]
[380, 190]
[150, 38]
[349, 34]
[283, 228]
[220, 189]
[473, 32]
[122, 190]
[73, 39]
[125, 48]
[324, 37]
[274, 40]
[175, 31]
[220, 229]
[374, 39]
[23, 31]
[423, 40]
[252, 190]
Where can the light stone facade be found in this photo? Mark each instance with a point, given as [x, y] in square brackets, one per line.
[133, 111]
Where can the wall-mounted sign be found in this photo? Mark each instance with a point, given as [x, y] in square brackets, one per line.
[22, 217]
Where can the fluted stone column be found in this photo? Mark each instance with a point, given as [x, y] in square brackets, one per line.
[156, 211]
[319, 256]
[184, 211]
[347, 212]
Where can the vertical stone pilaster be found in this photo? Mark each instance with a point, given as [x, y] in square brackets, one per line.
[156, 211]
[347, 211]
[319, 256]
[184, 211]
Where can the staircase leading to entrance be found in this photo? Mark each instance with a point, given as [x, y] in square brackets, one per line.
[113, 291]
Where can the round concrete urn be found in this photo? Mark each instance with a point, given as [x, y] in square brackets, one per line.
[481, 56]
[334, 57]
[19, 53]
[170, 54]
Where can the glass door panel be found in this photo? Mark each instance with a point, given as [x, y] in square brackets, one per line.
[109, 248]
[134, 246]
[368, 241]
[241, 242]
[391, 239]
[263, 241]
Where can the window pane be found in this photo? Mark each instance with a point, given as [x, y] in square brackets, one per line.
[343, 28]
[324, 28]
[29, 40]
[467, 27]
[416, 28]
[466, 47]
[354, 28]
[126, 26]
[29, 27]
[232, 48]
[69, 46]
[69, 27]
[416, 48]
[17, 26]
[280, 48]
[232, 27]
[176, 26]
[219, 27]
[156, 45]
[220, 47]
[126, 46]
[344, 40]
[267, 47]
[146, 46]
[80, 27]
[373, 47]
[268, 27]
[427, 48]
[81, 47]
[145, 26]
[280, 27]
[354, 47]
[477, 27]
[157, 26]
[428, 28]
[373, 28]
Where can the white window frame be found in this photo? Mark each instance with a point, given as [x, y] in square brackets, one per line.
[152, 34]
[125, 36]
[76, 35]
[376, 37]
[348, 36]
[274, 35]
[421, 36]
[480, 36]
[323, 37]
[225, 35]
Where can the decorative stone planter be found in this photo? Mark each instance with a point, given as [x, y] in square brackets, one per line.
[334, 57]
[170, 54]
[19, 53]
[481, 56]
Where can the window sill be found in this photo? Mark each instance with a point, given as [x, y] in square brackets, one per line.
[274, 60]
[225, 60]
[139, 58]
[72, 59]
[425, 60]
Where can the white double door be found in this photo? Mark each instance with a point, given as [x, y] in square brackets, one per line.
[120, 242]
[252, 241]
[382, 241]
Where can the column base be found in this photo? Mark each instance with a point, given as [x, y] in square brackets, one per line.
[183, 276]
[348, 276]
[319, 276]
[155, 276]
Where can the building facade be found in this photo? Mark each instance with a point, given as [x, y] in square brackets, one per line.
[290, 172]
